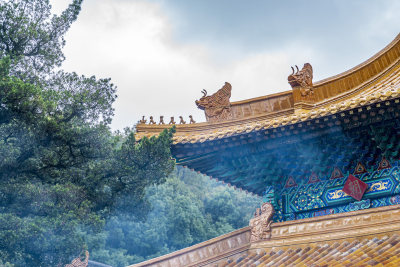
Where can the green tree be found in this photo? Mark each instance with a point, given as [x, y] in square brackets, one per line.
[187, 209]
[62, 171]
[33, 37]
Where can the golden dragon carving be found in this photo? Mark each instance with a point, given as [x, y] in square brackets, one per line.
[217, 106]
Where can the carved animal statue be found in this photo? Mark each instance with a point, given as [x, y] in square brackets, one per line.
[191, 119]
[161, 120]
[143, 120]
[181, 121]
[303, 79]
[151, 120]
[261, 223]
[172, 121]
[257, 212]
[78, 262]
[217, 106]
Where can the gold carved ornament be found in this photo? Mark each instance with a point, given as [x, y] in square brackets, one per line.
[191, 119]
[172, 121]
[217, 106]
[161, 120]
[261, 223]
[302, 79]
[151, 120]
[181, 120]
[143, 120]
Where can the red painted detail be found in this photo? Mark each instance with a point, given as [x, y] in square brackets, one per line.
[290, 182]
[360, 169]
[336, 173]
[354, 187]
[384, 164]
[313, 178]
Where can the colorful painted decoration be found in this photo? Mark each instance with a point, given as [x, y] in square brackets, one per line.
[290, 182]
[313, 178]
[336, 173]
[384, 164]
[354, 187]
[326, 197]
[360, 169]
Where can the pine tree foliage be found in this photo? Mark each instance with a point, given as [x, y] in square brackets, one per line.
[62, 171]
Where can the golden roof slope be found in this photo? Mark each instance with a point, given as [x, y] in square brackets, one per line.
[360, 252]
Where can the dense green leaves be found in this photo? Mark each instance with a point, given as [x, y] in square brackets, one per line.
[62, 171]
[187, 209]
[33, 37]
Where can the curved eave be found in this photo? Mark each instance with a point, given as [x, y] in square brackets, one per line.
[374, 80]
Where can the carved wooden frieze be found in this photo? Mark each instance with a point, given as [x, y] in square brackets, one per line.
[217, 106]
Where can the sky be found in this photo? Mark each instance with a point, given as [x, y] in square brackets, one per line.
[162, 53]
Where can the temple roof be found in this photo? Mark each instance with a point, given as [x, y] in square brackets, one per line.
[303, 133]
[375, 80]
[295, 141]
[360, 252]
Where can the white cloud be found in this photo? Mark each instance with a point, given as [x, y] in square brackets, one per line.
[131, 42]
[385, 23]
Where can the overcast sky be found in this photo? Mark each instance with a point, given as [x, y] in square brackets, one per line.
[161, 53]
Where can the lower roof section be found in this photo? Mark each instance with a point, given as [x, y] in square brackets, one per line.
[376, 251]
[368, 237]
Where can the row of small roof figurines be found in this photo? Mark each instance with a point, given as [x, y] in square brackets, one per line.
[172, 121]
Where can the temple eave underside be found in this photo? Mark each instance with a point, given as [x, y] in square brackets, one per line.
[317, 145]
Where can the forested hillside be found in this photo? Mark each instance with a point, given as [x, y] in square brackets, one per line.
[187, 209]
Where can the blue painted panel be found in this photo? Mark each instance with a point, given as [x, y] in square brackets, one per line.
[326, 197]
